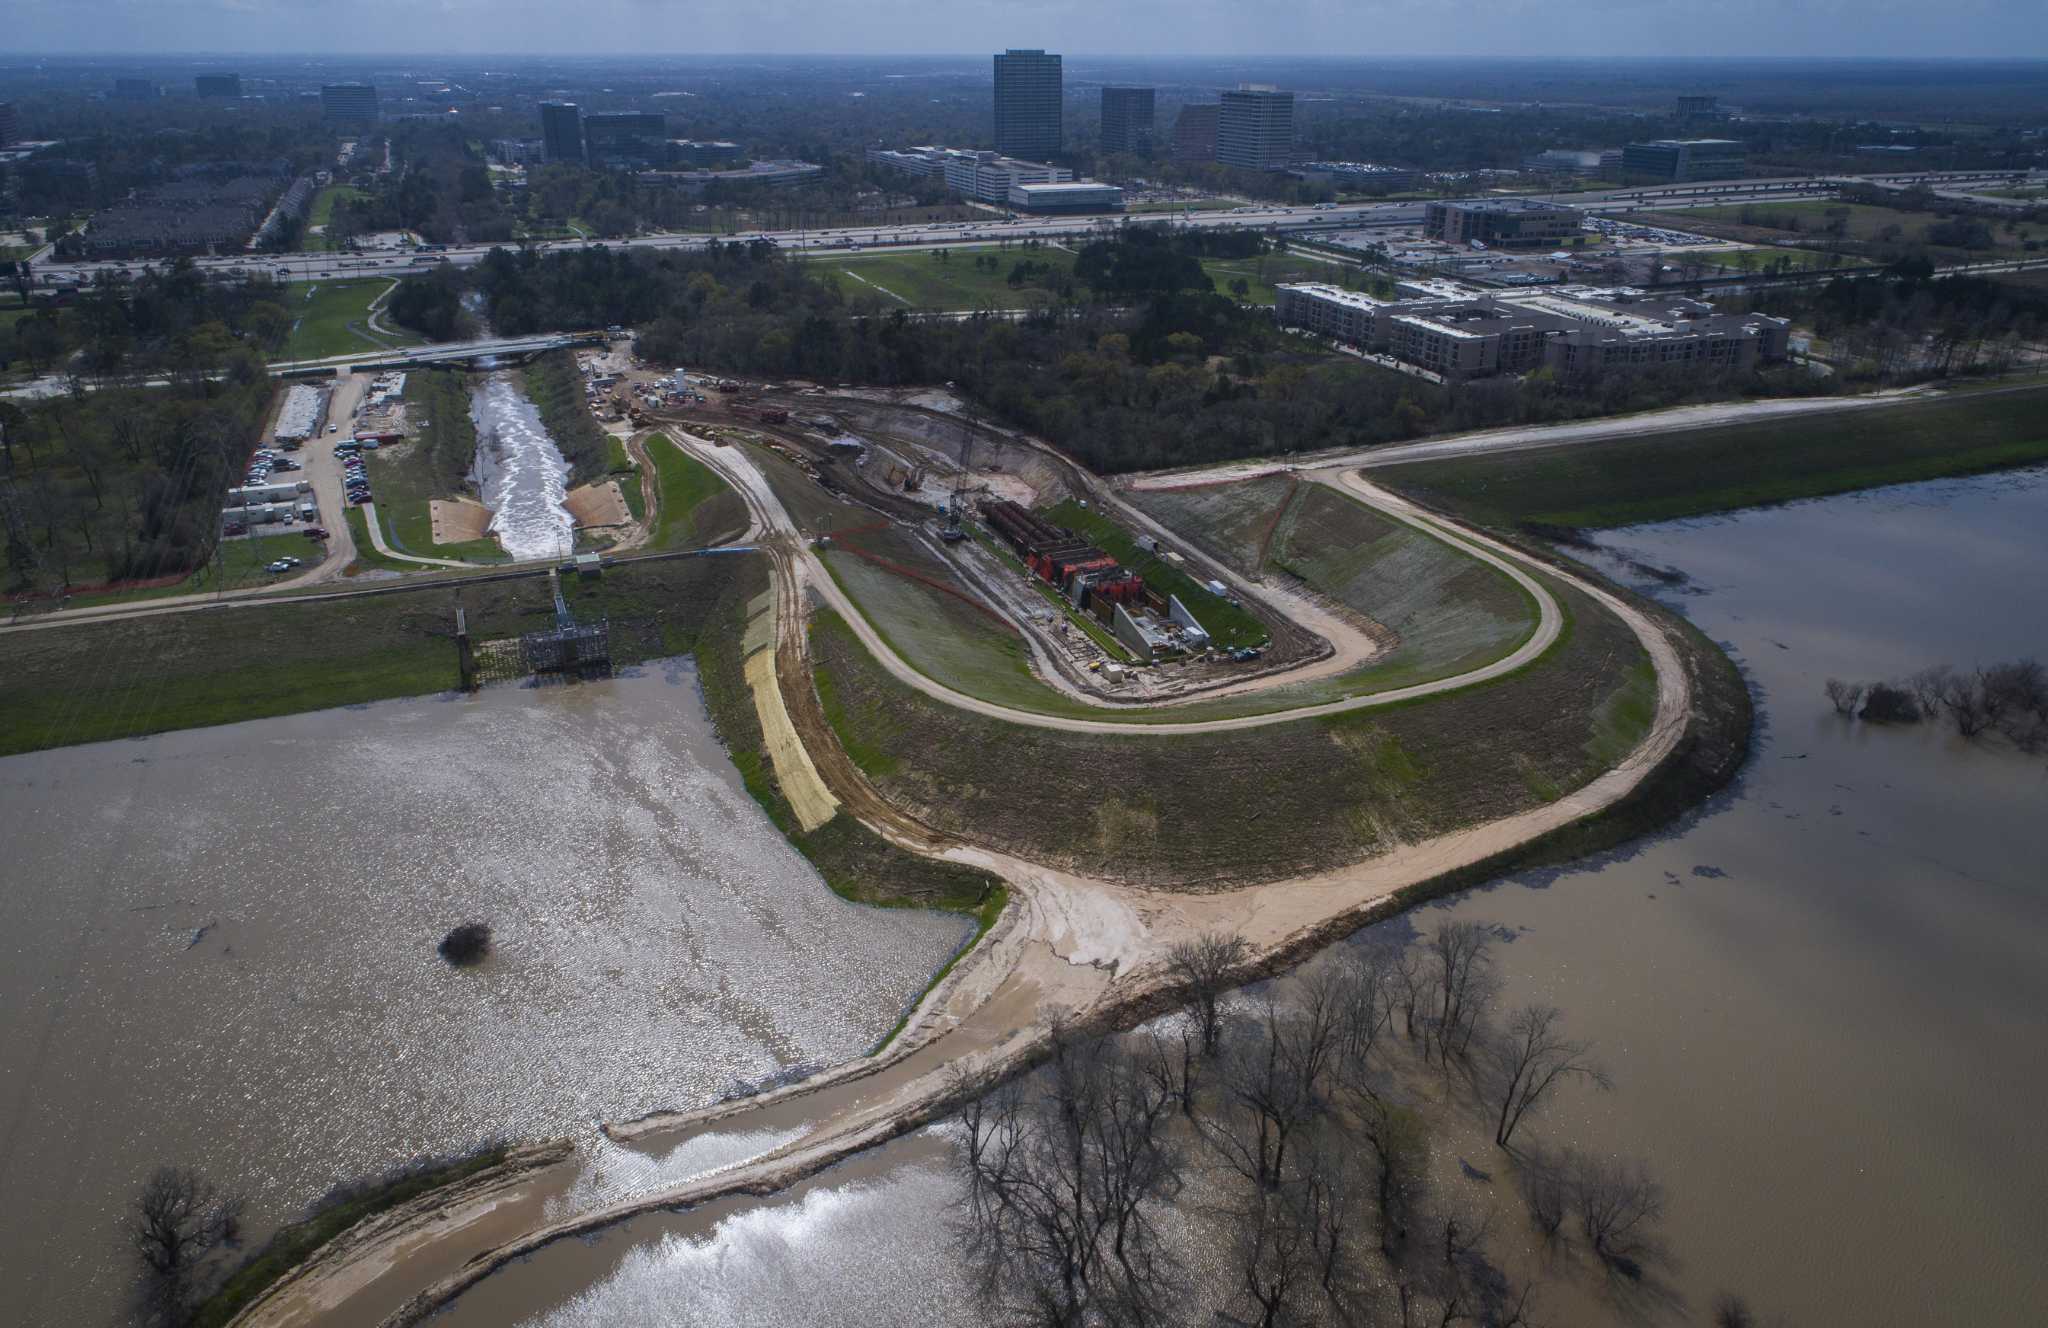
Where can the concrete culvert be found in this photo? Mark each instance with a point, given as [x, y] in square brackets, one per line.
[467, 945]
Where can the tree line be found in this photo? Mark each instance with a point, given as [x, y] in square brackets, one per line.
[1154, 369]
[2009, 700]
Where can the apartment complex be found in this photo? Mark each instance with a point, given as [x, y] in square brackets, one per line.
[1194, 133]
[1027, 103]
[1255, 128]
[1679, 160]
[561, 131]
[1572, 330]
[349, 105]
[986, 177]
[1127, 119]
[625, 140]
[1508, 222]
[217, 85]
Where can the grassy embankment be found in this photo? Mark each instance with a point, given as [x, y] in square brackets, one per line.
[434, 463]
[1449, 612]
[556, 386]
[1661, 477]
[1248, 805]
[322, 312]
[695, 508]
[621, 467]
[857, 863]
[96, 681]
[944, 279]
[294, 1244]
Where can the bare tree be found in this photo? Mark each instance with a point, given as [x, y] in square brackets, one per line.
[1203, 967]
[1409, 983]
[1275, 1077]
[1928, 686]
[1532, 1058]
[1458, 960]
[1062, 1173]
[1969, 708]
[1844, 696]
[1618, 1205]
[180, 1220]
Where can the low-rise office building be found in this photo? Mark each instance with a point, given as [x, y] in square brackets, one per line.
[1573, 330]
[1680, 160]
[1360, 176]
[1506, 222]
[1071, 196]
[986, 177]
[766, 174]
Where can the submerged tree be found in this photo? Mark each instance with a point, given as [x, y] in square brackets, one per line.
[1203, 967]
[179, 1221]
[1532, 1058]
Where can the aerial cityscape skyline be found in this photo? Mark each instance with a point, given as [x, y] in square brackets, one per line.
[2005, 29]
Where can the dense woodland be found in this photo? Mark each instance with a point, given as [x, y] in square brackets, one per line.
[1169, 373]
[123, 484]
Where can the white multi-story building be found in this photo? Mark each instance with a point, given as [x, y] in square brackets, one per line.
[1570, 329]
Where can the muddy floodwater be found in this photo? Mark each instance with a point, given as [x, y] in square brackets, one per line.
[1823, 998]
[520, 472]
[220, 952]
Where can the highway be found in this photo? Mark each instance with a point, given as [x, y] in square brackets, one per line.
[338, 266]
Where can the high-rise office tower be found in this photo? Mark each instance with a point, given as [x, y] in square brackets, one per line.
[625, 140]
[136, 89]
[1028, 91]
[349, 105]
[217, 85]
[1127, 119]
[1194, 133]
[10, 125]
[1255, 128]
[561, 131]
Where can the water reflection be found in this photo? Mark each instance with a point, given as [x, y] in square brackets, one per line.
[220, 951]
[1822, 998]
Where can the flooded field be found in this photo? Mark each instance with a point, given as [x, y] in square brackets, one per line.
[220, 952]
[520, 472]
[1822, 999]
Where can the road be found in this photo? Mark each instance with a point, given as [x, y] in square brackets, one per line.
[323, 266]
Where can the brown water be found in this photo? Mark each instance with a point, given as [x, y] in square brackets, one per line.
[1823, 998]
[220, 953]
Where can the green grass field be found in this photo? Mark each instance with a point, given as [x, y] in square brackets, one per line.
[1865, 223]
[1449, 612]
[90, 682]
[1753, 260]
[1661, 477]
[944, 279]
[322, 313]
[322, 211]
[1263, 273]
[694, 507]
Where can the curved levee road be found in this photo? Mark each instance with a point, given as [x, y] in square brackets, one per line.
[753, 487]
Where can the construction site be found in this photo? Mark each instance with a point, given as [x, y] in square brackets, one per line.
[988, 557]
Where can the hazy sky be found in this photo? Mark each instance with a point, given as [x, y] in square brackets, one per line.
[1080, 27]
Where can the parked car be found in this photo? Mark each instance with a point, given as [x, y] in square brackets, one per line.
[279, 566]
[314, 532]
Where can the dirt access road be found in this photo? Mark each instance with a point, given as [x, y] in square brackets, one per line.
[1090, 947]
[1522, 438]
[771, 516]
